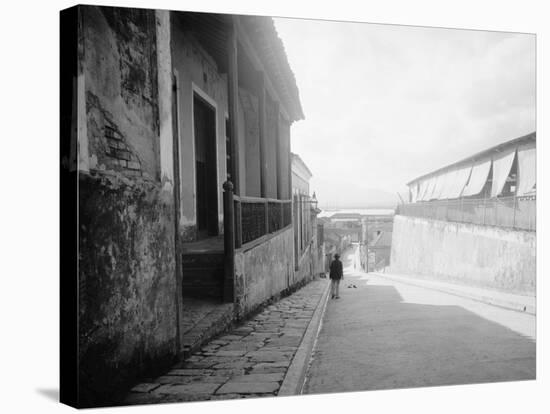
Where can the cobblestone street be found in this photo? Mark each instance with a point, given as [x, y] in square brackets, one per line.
[249, 361]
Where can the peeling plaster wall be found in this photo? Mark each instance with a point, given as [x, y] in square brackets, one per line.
[306, 264]
[475, 255]
[195, 66]
[127, 283]
[127, 306]
[311, 263]
[264, 271]
[120, 73]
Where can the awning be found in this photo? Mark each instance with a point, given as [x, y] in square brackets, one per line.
[416, 192]
[413, 190]
[502, 164]
[527, 169]
[432, 184]
[478, 178]
[422, 190]
[442, 183]
[458, 183]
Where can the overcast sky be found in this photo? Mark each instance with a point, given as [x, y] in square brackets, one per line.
[385, 104]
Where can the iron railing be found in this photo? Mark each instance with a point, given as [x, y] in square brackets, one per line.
[256, 217]
[511, 212]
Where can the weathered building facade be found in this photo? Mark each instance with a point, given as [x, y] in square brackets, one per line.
[473, 222]
[308, 240]
[179, 131]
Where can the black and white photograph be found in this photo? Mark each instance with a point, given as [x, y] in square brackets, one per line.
[256, 205]
[252, 226]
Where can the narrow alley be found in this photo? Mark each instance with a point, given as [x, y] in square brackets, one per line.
[385, 334]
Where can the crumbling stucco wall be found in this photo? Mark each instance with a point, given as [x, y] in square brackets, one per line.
[127, 306]
[263, 271]
[120, 76]
[311, 262]
[465, 253]
[197, 73]
[305, 266]
[127, 294]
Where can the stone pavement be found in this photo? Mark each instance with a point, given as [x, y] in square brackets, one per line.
[202, 320]
[249, 361]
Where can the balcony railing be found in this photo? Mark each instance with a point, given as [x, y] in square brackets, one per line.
[256, 217]
[510, 212]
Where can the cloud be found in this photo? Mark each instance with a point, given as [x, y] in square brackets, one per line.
[386, 103]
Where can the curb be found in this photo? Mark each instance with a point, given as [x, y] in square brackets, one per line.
[295, 376]
[518, 307]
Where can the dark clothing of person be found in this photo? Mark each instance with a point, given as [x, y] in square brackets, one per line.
[336, 270]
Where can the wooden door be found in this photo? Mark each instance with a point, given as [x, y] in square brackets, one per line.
[205, 168]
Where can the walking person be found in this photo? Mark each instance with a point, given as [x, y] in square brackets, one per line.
[336, 274]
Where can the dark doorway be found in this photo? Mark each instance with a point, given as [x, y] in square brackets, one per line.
[205, 168]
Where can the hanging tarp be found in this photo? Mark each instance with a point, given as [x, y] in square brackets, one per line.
[478, 178]
[415, 191]
[433, 187]
[450, 182]
[422, 190]
[502, 164]
[442, 183]
[430, 188]
[424, 184]
[418, 191]
[527, 169]
[459, 182]
[439, 186]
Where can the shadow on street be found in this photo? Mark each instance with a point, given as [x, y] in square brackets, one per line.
[371, 339]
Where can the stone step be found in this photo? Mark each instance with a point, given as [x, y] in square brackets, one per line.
[202, 275]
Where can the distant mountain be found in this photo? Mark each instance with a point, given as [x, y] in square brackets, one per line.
[366, 198]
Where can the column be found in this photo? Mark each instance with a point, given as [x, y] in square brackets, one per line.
[279, 149]
[165, 86]
[233, 102]
[263, 133]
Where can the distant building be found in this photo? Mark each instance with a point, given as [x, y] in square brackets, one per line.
[363, 226]
[473, 222]
[508, 169]
[308, 239]
[495, 187]
[379, 250]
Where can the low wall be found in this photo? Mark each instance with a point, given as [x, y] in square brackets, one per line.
[470, 254]
[264, 270]
[127, 286]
